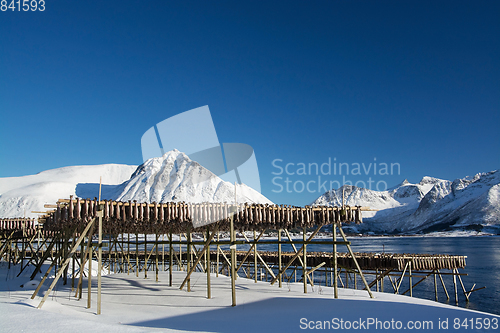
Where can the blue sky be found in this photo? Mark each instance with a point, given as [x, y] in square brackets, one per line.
[415, 83]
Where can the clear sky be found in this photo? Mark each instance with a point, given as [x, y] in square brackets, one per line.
[412, 83]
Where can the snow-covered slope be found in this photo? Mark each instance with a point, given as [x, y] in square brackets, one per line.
[431, 205]
[21, 195]
[172, 177]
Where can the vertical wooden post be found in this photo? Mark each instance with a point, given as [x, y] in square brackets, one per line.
[279, 259]
[209, 294]
[163, 253]
[156, 245]
[110, 247]
[128, 253]
[255, 269]
[188, 256]
[335, 277]
[435, 286]
[218, 252]
[411, 281]
[233, 257]
[123, 253]
[89, 277]
[73, 271]
[99, 256]
[115, 254]
[136, 254]
[180, 264]
[304, 267]
[145, 256]
[455, 286]
[170, 258]
[79, 286]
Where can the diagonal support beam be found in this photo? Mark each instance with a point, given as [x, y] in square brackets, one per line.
[421, 280]
[296, 255]
[207, 244]
[356, 263]
[248, 252]
[380, 277]
[66, 262]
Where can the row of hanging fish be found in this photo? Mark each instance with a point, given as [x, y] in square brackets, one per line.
[245, 216]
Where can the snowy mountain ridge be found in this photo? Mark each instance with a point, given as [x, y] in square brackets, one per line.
[431, 205]
[172, 177]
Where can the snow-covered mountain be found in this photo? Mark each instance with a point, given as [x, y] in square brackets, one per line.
[172, 177]
[175, 177]
[431, 205]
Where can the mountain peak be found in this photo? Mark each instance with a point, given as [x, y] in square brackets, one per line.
[175, 177]
[426, 180]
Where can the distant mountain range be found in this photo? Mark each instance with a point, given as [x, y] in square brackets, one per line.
[471, 203]
[172, 177]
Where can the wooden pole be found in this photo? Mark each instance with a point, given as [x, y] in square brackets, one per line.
[99, 260]
[335, 277]
[193, 267]
[170, 258]
[356, 263]
[43, 280]
[73, 269]
[89, 275]
[279, 259]
[217, 257]
[128, 254]
[209, 293]
[99, 251]
[304, 260]
[296, 255]
[255, 257]
[145, 256]
[444, 286]
[463, 287]
[163, 253]
[156, 261]
[83, 258]
[410, 277]
[180, 264]
[455, 286]
[66, 262]
[136, 254]
[233, 258]
[435, 286]
[188, 257]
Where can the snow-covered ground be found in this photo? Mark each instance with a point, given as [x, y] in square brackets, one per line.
[136, 304]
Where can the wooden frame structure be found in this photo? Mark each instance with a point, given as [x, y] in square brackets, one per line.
[64, 231]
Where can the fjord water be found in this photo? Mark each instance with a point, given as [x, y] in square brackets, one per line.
[483, 265]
